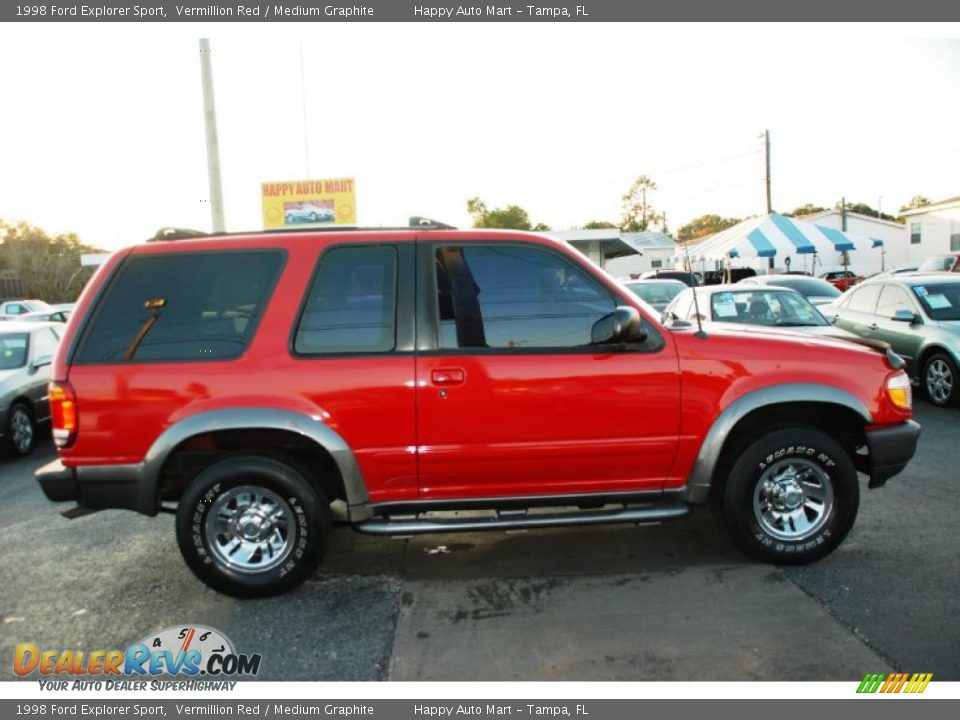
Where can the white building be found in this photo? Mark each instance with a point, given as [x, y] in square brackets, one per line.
[621, 254]
[893, 254]
[933, 230]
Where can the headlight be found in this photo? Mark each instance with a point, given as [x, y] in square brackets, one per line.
[899, 390]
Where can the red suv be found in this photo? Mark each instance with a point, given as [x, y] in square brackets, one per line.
[246, 382]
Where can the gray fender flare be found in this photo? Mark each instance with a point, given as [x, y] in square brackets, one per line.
[701, 475]
[253, 418]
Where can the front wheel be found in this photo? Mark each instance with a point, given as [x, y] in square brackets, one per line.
[940, 380]
[252, 526]
[791, 497]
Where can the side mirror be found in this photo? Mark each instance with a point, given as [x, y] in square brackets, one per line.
[40, 362]
[904, 316]
[621, 326]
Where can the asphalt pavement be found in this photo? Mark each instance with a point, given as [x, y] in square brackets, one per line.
[666, 602]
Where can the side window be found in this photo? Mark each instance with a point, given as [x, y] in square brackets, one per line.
[684, 305]
[204, 306]
[45, 343]
[915, 233]
[512, 296]
[894, 298]
[14, 309]
[352, 303]
[864, 299]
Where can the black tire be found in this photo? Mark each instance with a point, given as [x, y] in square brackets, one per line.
[314, 217]
[940, 380]
[288, 220]
[303, 525]
[20, 420]
[763, 514]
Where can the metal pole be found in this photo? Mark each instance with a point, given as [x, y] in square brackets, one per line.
[766, 143]
[213, 148]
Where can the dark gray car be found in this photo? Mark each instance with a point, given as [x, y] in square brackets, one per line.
[919, 315]
[26, 354]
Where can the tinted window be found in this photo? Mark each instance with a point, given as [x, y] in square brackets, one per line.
[351, 307]
[45, 344]
[211, 303]
[941, 302]
[13, 351]
[15, 309]
[507, 296]
[809, 287]
[656, 293]
[893, 298]
[764, 307]
[864, 299]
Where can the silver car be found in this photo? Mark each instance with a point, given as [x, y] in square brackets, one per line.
[26, 355]
[919, 315]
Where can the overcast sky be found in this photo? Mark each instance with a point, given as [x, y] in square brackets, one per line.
[101, 128]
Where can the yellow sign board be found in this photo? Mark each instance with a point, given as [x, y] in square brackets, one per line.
[305, 203]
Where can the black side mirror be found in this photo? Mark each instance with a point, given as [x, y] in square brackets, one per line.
[623, 325]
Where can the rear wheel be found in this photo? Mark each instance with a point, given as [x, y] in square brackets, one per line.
[252, 526]
[21, 430]
[791, 497]
[940, 380]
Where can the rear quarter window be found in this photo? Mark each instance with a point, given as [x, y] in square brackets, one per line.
[211, 304]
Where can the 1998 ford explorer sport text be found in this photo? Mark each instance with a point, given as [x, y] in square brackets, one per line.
[245, 382]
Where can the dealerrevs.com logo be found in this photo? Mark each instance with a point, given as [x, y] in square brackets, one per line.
[187, 651]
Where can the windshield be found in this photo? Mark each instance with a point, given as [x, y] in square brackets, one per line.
[808, 287]
[656, 293]
[942, 263]
[13, 351]
[940, 302]
[765, 307]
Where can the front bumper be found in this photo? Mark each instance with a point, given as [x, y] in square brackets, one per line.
[100, 487]
[891, 448]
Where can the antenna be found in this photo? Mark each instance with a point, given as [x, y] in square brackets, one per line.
[696, 304]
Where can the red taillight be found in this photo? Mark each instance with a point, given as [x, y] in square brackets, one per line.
[63, 413]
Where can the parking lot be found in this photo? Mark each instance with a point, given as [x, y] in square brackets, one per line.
[670, 602]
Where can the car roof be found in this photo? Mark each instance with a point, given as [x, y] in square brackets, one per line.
[14, 326]
[916, 278]
[654, 280]
[741, 288]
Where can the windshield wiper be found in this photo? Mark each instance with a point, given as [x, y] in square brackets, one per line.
[155, 304]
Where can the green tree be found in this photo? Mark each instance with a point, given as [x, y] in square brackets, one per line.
[703, 226]
[45, 267]
[918, 201]
[599, 225]
[512, 217]
[638, 212]
[807, 209]
[864, 209]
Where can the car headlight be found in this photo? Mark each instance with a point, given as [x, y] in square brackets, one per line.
[899, 390]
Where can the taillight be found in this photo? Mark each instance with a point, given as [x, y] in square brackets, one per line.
[63, 413]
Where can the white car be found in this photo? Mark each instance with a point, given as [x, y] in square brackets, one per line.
[12, 309]
[309, 214]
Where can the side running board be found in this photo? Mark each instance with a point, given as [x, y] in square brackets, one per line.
[519, 519]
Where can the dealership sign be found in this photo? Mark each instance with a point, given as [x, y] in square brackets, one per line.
[300, 203]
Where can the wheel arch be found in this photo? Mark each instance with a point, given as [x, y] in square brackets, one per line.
[764, 408]
[310, 436]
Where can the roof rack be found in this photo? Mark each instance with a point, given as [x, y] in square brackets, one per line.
[416, 223]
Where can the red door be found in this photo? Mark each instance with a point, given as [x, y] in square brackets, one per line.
[511, 397]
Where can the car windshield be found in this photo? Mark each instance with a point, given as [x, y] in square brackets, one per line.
[765, 307]
[656, 293]
[808, 287]
[13, 351]
[941, 263]
[940, 302]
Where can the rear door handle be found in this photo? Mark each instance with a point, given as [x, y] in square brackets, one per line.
[447, 376]
[874, 326]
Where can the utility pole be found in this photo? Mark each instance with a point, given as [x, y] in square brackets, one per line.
[845, 256]
[766, 153]
[213, 147]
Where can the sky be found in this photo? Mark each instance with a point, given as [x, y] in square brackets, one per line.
[101, 127]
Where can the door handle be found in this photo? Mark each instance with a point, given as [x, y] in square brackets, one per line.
[447, 376]
[874, 326]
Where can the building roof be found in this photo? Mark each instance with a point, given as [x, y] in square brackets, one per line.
[939, 205]
[860, 216]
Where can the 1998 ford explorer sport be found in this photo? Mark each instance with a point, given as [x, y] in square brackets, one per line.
[246, 381]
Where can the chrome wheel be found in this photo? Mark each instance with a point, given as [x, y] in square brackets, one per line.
[21, 430]
[793, 499]
[250, 529]
[939, 381]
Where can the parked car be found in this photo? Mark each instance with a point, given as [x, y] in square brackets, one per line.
[768, 307]
[57, 316]
[817, 291]
[687, 278]
[308, 213]
[26, 355]
[11, 309]
[658, 293]
[919, 315]
[842, 280]
[730, 275]
[949, 262]
[245, 382]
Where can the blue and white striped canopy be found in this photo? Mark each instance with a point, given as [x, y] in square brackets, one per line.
[778, 236]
